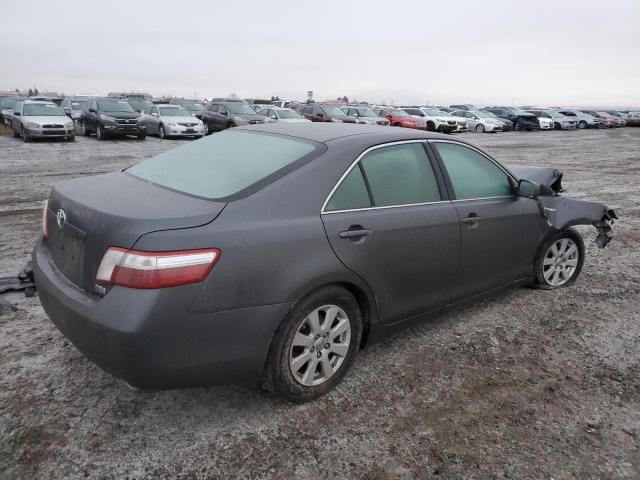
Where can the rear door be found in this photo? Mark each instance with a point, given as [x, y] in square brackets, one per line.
[500, 230]
[389, 221]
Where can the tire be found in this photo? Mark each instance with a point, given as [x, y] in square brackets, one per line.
[559, 264]
[25, 136]
[16, 134]
[557, 126]
[230, 125]
[431, 127]
[85, 131]
[312, 351]
[161, 133]
[480, 128]
[582, 124]
[516, 126]
[142, 136]
[100, 135]
[72, 138]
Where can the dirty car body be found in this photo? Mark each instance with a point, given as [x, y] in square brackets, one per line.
[406, 242]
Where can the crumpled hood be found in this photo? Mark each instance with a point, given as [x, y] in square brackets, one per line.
[547, 176]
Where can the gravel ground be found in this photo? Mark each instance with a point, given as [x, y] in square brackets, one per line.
[533, 384]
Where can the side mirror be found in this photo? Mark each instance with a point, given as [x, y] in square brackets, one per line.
[527, 188]
[154, 114]
[274, 117]
[92, 110]
[321, 115]
[17, 114]
[223, 113]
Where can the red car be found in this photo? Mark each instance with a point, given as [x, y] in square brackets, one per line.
[400, 118]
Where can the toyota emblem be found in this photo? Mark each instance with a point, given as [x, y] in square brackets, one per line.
[61, 218]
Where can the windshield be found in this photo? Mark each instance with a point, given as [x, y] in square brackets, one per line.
[516, 111]
[174, 112]
[433, 111]
[554, 114]
[78, 105]
[193, 107]
[399, 113]
[139, 103]
[288, 114]
[222, 164]
[483, 114]
[334, 111]
[42, 110]
[240, 109]
[366, 112]
[8, 102]
[115, 106]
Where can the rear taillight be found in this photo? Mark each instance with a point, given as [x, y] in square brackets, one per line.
[135, 269]
[45, 228]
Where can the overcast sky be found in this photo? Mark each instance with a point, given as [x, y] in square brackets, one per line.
[582, 52]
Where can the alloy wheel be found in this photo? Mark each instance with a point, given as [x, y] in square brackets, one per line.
[320, 345]
[161, 132]
[560, 262]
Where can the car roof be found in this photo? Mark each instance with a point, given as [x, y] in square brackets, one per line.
[45, 102]
[325, 132]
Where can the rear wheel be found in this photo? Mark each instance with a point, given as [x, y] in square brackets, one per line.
[315, 345]
[560, 260]
[431, 126]
[582, 124]
[480, 128]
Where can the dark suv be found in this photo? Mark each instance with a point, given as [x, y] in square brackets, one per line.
[521, 120]
[219, 116]
[108, 117]
[325, 113]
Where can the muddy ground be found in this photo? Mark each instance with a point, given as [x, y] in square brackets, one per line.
[530, 385]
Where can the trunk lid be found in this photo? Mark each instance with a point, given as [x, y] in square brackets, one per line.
[113, 209]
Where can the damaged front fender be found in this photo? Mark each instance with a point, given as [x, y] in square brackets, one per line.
[564, 212]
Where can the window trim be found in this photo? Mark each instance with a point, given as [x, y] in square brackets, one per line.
[445, 173]
[356, 162]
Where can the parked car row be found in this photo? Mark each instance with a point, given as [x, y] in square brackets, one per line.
[137, 114]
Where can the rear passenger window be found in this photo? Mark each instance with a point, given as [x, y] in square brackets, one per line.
[351, 194]
[400, 175]
[472, 175]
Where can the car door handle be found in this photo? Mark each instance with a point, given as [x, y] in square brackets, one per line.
[472, 218]
[356, 233]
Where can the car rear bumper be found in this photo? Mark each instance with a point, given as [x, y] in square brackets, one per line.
[151, 339]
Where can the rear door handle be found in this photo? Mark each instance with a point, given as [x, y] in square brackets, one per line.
[363, 232]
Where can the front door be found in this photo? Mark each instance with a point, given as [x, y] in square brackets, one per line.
[389, 222]
[500, 230]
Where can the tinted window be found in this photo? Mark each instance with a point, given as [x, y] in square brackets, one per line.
[115, 106]
[400, 175]
[212, 107]
[473, 175]
[352, 193]
[222, 164]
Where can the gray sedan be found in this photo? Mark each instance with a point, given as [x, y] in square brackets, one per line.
[172, 121]
[271, 254]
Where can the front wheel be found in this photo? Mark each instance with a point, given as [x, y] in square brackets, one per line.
[582, 124]
[25, 135]
[560, 260]
[100, 135]
[480, 128]
[142, 136]
[315, 345]
[516, 126]
[161, 133]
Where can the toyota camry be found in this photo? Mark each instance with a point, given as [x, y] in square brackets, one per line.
[271, 254]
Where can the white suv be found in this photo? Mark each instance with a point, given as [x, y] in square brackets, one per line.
[436, 120]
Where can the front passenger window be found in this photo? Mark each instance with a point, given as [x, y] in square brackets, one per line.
[472, 175]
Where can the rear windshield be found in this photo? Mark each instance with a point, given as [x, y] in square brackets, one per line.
[223, 164]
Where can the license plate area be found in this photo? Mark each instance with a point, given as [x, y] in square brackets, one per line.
[68, 251]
